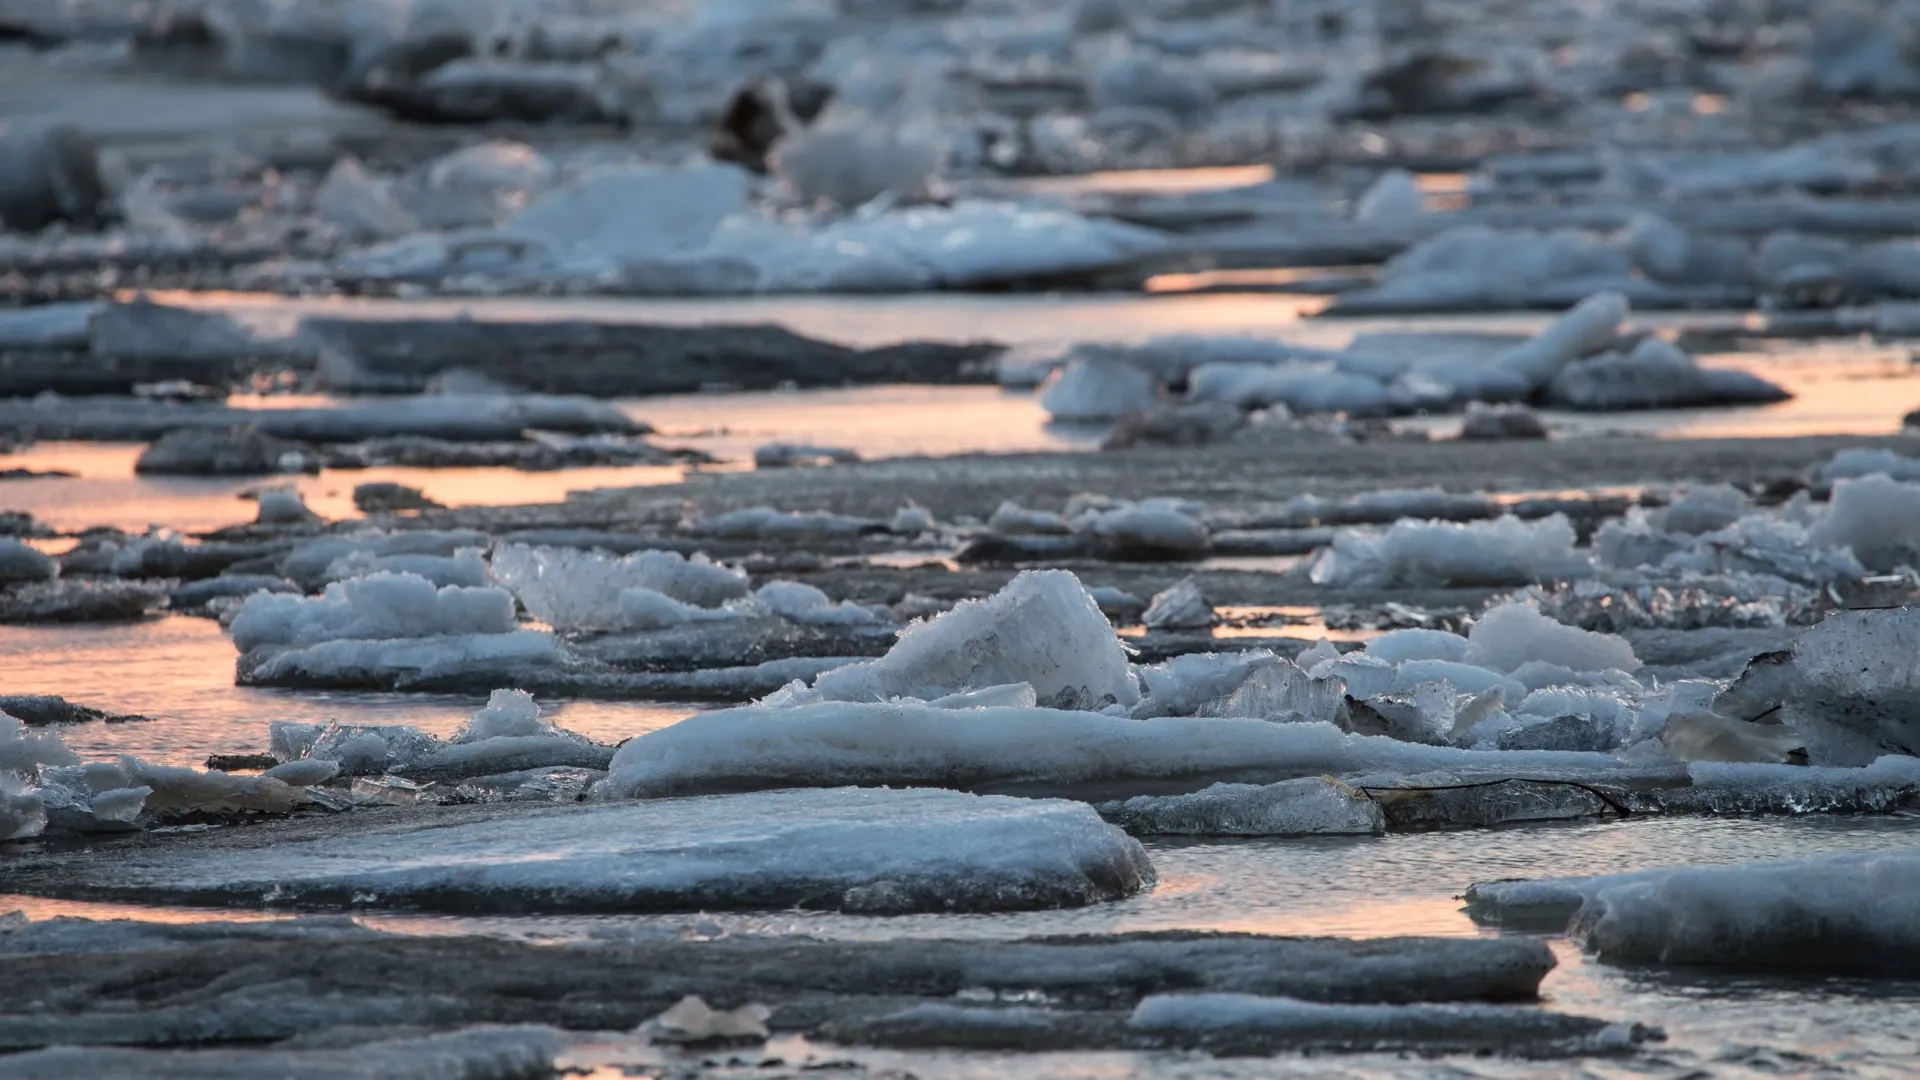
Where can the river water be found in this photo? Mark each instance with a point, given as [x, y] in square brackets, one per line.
[178, 670]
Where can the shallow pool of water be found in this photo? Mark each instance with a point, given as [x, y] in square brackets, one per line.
[179, 672]
[1718, 1024]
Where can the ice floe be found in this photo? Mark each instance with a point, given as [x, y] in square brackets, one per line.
[1845, 912]
[855, 850]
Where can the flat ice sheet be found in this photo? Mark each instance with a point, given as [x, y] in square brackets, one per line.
[854, 850]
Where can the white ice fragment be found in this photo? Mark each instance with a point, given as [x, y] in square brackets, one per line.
[649, 609]
[1282, 692]
[1092, 389]
[1856, 462]
[1515, 633]
[383, 606]
[1426, 554]
[283, 506]
[1012, 518]
[1302, 387]
[1704, 510]
[498, 169]
[18, 563]
[1585, 329]
[620, 217]
[1320, 652]
[308, 562]
[797, 602]
[1309, 806]
[912, 521]
[1422, 713]
[1656, 375]
[360, 205]
[1011, 696]
[305, 773]
[98, 797]
[179, 788]
[507, 713]
[1179, 686]
[1705, 736]
[1154, 525]
[464, 567]
[1878, 517]
[1181, 606]
[22, 811]
[850, 159]
[1394, 198]
[1852, 686]
[758, 522]
[575, 590]
[1041, 629]
[1397, 646]
[23, 751]
[692, 1021]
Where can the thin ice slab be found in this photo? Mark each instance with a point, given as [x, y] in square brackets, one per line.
[868, 851]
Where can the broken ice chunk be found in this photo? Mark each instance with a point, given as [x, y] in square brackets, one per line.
[1396, 646]
[1514, 634]
[692, 1022]
[507, 713]
[1281, 691]
[1145, 531]
[1011, 517]
[23, 813]
[1704, 510]
[574, 590]
[307, 773]
[1094, 389]
[1428, 554]
[1180, 606]
[805, 604]
[1878, 517]
[1042, 629]
[1178, 686]
[647, 609]
[1851, 687]
[1704, 736]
